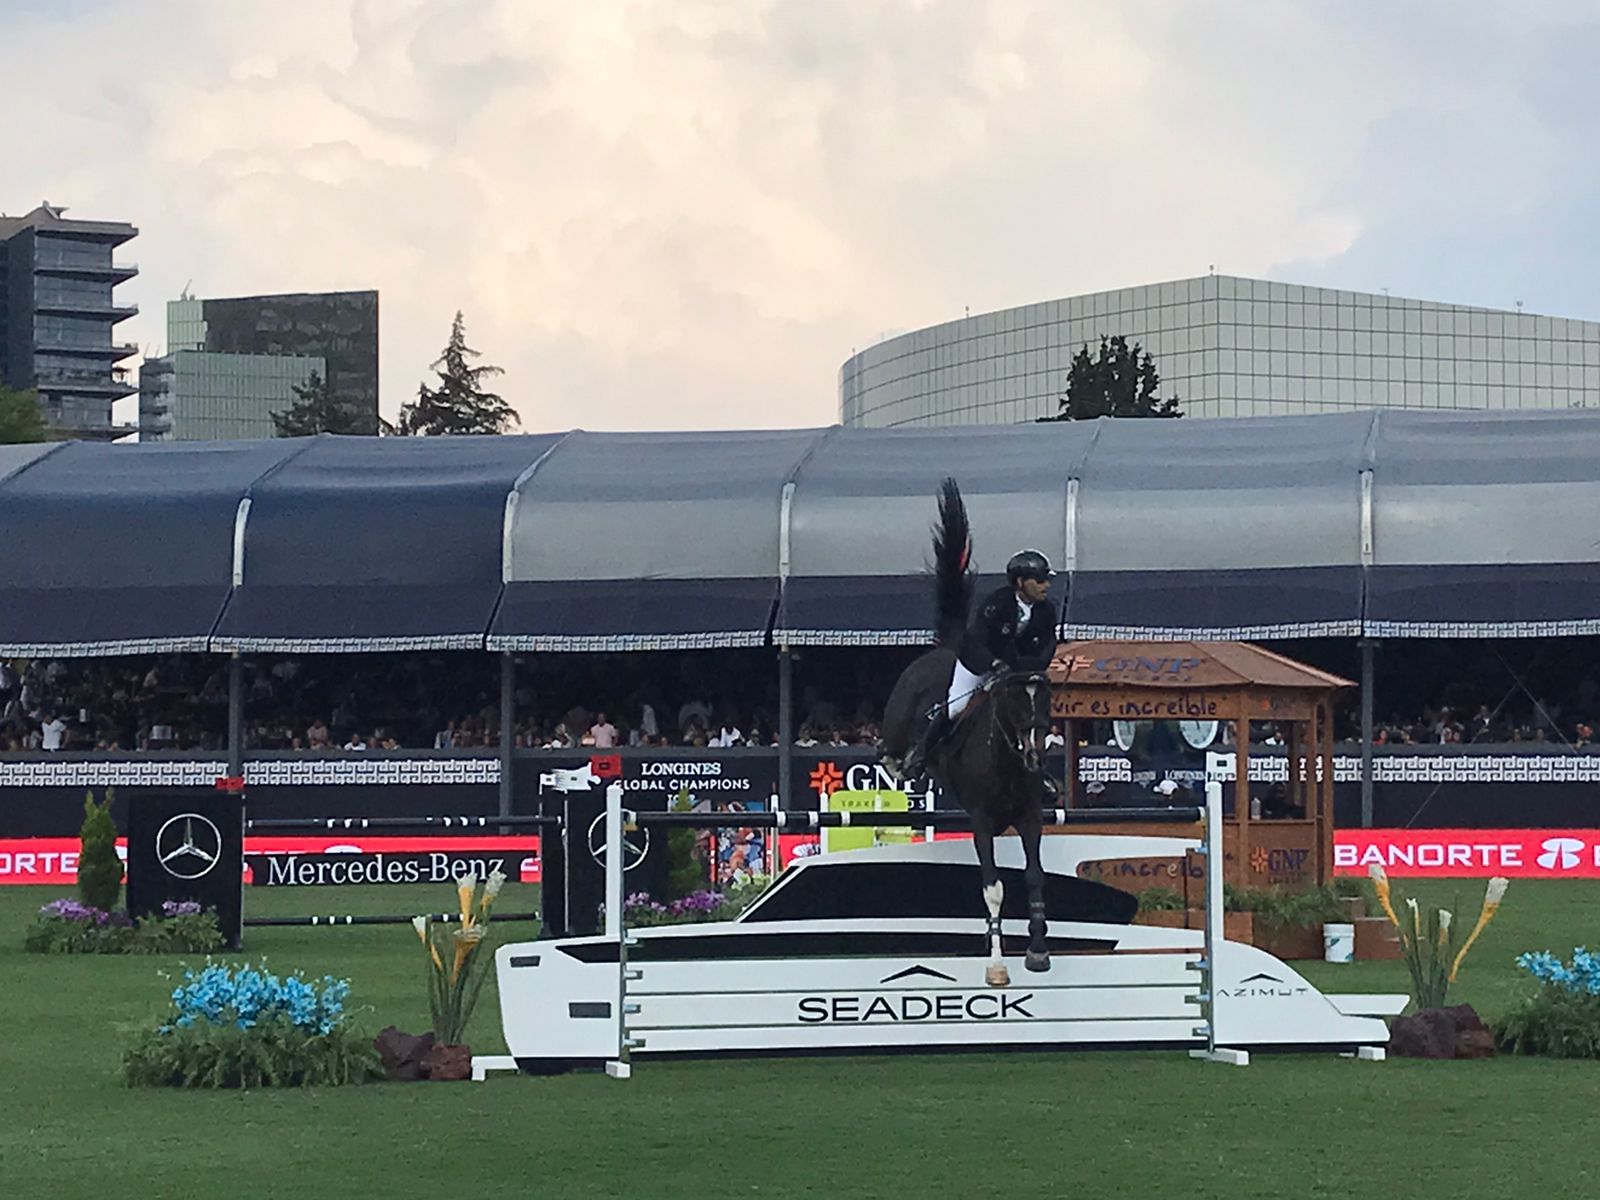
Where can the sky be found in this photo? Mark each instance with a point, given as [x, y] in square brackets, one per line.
[687, 215]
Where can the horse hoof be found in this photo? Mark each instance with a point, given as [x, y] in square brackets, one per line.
[997, 976]
[1037, 962]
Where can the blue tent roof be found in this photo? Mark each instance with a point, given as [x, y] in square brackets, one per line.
[1391, 523]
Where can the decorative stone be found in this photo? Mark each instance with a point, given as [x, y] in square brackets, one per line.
[1455, 1032]
[448, 1063]
[402, 1053]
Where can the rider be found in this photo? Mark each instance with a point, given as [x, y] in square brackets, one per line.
[1013, 629]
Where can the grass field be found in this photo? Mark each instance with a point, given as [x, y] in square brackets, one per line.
[1095, 1124]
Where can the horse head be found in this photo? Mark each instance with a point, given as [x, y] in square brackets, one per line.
[1022, 710]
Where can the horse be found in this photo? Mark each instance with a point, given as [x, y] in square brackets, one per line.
[992, 762]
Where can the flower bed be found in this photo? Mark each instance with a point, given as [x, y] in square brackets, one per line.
[1561, 1019]
[704, 905]
[243, 1027]
[68, 926]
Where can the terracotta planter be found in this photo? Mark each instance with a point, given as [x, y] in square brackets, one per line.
[1376, 939]
[448, 1063]
[1236, 926]
[1290, 941]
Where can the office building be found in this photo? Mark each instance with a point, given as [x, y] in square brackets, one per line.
[339, 328]
[58, 317]
[195, 395]
[1230, 347]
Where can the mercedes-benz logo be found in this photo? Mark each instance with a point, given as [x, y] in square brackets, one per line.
[188, 846]
[635, 841]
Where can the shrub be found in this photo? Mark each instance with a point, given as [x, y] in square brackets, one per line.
[243, 1027]
[1161, 900]
[686, 870]
[1561, 1019]
[68, 927]
[99, 868]
[1275, 909]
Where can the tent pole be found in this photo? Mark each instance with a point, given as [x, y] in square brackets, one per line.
[1368, 647]
[785, 724]
[508, 728]
[235, 715]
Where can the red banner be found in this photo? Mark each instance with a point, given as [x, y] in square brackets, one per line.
[1457, 853]
[55, 860]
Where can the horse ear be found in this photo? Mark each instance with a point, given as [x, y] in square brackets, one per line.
[966, 553]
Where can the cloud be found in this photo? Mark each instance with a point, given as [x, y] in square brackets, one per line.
[684, 214]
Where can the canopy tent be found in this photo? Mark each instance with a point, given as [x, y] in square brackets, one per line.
[365, 544]
[647, 541]
[1391, 523]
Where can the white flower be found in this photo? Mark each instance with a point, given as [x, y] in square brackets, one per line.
[1444, 920]
[1376, 871]
[497, 880]
[467, 880]
[420, 924]
[1497, 890]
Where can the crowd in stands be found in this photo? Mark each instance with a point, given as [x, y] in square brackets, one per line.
[451, 701]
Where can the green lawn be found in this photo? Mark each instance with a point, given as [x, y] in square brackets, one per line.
[1095, 1124]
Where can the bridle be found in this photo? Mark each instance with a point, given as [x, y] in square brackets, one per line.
[1025, 738]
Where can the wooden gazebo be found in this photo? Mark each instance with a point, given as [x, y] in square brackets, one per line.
[1225, 682]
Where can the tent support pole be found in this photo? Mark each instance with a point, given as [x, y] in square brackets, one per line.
[1369, 647]
[508, 728]
[785, 724]
[235, 715]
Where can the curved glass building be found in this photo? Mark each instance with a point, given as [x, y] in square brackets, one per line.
[1230, 347]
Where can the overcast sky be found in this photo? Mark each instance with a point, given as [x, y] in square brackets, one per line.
[687, 215]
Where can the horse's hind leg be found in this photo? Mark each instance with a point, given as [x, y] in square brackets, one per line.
[996, 974]
[1031, 828]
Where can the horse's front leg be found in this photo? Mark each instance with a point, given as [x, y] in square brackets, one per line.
[996, 974]
[1030, 825]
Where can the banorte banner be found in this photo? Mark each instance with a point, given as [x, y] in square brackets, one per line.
[1469, 853]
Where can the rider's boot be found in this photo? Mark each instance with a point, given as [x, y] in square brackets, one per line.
[916, 761]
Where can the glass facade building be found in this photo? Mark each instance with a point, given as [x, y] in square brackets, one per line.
[194, 395]
[340, 328]
[58, 316]
[1230, 347]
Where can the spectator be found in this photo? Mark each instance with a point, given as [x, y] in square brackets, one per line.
[317, 737]
[50, 732]
[355, 742]
[602, 734]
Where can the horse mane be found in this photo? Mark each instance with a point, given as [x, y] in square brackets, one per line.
[952, 562]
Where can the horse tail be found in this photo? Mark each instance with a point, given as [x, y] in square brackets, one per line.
[952, 560]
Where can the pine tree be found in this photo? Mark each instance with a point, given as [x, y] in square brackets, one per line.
[459, 404]
[316, 410]
[1121, 381]
[99, 868]
[20, 417]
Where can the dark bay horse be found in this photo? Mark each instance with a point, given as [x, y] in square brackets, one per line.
[992, 761]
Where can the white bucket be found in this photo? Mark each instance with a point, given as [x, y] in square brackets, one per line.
[1339, 943]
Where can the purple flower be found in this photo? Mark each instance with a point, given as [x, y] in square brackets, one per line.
[67, 909]
[180, 908]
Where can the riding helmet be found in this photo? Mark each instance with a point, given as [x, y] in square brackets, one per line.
[1028, 564]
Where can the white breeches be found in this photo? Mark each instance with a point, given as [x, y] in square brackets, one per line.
[962, 686]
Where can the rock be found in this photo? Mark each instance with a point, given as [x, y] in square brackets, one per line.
[448, 1063]
[1465, 1016]
[1427, 1034]
[403, 1053]
[1455, 1032]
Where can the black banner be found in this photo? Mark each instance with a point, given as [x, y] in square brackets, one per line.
[187, 846]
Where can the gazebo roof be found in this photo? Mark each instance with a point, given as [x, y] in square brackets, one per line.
[1183, 665]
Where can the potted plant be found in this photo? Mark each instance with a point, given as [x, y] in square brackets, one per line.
[457, 969]
[1289, 925]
